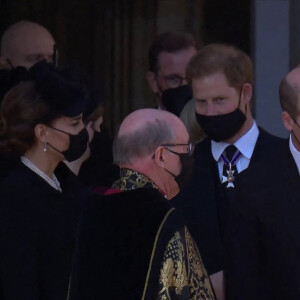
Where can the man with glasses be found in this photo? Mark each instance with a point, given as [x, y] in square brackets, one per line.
[168, 58]
[132, 244]
[221, 77]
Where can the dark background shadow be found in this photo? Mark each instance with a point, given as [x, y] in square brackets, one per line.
[110, 39]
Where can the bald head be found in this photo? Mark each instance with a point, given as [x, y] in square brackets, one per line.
[145, 117]
[289, 92]
[26, 43]
[143, 131]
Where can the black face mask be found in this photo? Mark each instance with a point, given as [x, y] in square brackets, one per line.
[222, 127]
[175, 99]
[187, 163]
[77, 146]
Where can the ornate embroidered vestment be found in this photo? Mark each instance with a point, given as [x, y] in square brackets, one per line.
[181, 274]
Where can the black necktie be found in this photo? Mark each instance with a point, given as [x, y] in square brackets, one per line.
[229, 173]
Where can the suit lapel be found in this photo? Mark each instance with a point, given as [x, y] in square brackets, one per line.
[290, 176]
[267, 147]
[289, 180]
[205, 185]
[205, 162]
[261, 143]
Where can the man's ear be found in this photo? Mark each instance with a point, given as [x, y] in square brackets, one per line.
[159, 156]
[287, 121]
[40, 132]
[151, 78]
[247, 93]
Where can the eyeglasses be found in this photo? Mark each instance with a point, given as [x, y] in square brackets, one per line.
[190, 148]
[174, 81]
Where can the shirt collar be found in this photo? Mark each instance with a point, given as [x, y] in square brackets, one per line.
[244, 144]
[295, 153]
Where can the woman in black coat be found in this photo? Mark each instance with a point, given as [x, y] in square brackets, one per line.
[40, 201]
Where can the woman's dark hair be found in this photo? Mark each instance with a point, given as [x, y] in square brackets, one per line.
[21, 110]
[45, 96]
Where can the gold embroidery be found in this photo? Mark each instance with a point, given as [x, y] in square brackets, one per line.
[69, 287]
[130, 180]
[173, 274]
[200, 286]
[167, 276]
[153, 251]
[182, 273]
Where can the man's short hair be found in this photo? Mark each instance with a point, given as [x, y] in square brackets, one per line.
[142, 142]
[288, 95]
[220, 58]
[170, 42]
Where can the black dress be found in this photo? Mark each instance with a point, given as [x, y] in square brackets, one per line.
[37, 231]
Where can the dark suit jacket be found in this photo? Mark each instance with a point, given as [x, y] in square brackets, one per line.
[264, 235]
[205, 203]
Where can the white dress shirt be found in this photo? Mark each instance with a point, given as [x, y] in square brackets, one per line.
[295, 153]
[244, 144]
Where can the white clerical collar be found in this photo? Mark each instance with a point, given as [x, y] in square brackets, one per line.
[245, 144]
[295, 153]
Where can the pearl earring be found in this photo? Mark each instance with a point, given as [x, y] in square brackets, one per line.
[45, 147]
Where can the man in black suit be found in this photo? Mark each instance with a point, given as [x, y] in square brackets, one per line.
[264, 235]
[221, 77]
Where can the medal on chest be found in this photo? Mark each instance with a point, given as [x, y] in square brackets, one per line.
[230, 172]
[230, 177]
